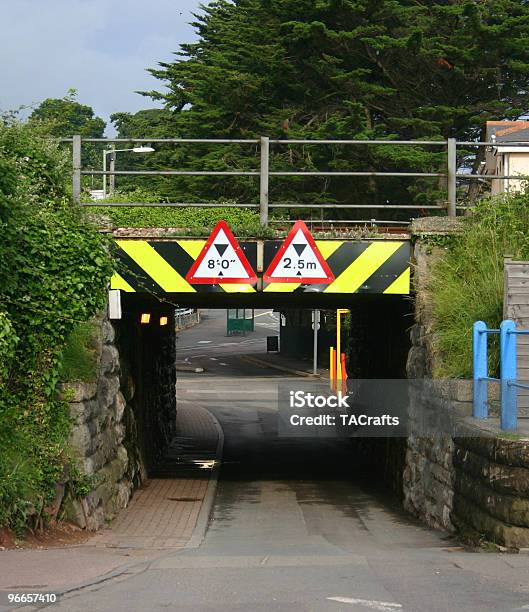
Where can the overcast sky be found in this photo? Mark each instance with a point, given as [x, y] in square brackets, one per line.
[100, 47]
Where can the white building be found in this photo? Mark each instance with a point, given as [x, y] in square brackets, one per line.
[507, 155]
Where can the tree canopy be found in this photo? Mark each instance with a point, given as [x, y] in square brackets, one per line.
[385, 69]
[66, 116]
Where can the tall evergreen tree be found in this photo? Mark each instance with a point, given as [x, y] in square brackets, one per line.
[338, 69]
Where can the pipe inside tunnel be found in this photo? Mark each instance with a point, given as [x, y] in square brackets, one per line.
[375, 339]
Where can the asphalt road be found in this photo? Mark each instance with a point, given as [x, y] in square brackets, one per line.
[294, 525]
[207, 345]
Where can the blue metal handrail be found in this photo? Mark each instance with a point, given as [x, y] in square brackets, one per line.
[508, 372]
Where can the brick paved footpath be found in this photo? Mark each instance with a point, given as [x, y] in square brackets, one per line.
[160, 516]
[164, 511]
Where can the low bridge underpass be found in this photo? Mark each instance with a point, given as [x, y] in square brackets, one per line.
[154, 266]
[371, 278]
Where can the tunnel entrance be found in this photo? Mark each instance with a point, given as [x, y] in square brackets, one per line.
[239, 387]
[193, 378]
[239, 375]
[167, 353]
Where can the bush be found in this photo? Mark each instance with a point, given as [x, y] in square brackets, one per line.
[80, 355]
[197, 221]
[8, 343]
[54, 269]
[466, 284]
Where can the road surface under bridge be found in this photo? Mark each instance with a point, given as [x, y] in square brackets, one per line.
[296, 524]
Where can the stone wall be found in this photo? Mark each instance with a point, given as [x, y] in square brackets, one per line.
[429, 474]
[466, 475]
[491, 488]
[98, 438]
[124, 421]
[473, 481]
[186, 318]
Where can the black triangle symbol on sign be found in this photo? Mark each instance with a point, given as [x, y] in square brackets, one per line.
[299, 248]
[221, 248]
[298, 274]
[221, 274]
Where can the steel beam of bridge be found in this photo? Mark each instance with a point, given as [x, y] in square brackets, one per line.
[159, 267]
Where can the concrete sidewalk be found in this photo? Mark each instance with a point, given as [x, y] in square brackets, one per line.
[169, 512]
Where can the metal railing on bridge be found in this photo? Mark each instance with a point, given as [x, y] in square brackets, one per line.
[508, 380]
[452, 175]
[186, 317]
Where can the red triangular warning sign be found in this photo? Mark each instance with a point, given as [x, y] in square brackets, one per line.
[299, 260]
[221, 261]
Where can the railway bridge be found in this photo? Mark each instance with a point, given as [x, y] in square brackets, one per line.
[325, 257]
[369, 266]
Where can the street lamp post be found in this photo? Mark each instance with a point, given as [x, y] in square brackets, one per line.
[112, 152]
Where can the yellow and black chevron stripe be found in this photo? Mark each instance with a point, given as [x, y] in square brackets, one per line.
[160, 267]
[360, 266]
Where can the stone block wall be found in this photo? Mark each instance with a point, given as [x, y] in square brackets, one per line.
[429, 474]
[491, 489]
[469, 477]
[472, 481]
[123, 422]
[98, 438]
[186, 318]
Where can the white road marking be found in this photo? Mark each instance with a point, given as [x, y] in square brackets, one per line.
[224, 344]
[381, 606]
[213, 359]
[204, 341]
[223, 364]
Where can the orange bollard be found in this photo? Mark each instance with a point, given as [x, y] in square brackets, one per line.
[332, 368]
[344, 371]
[344, 375]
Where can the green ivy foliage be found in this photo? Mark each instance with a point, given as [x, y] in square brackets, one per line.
[8, 343]
[466, 284]
[193, 221]
[54, 268]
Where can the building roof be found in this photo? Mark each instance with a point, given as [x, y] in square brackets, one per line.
[508, 131]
